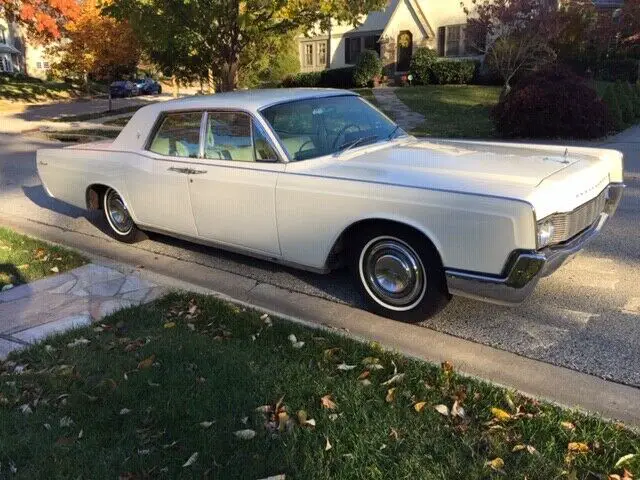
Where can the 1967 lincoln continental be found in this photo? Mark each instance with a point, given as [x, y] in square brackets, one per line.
[320, 178]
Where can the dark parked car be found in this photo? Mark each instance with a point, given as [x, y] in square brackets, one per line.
[148, 86]
[123, 88]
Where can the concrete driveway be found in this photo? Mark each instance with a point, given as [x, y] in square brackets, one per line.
[585, 317]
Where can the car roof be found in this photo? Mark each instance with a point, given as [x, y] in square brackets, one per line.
[251, 99]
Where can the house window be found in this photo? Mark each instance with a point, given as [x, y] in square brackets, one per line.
[3, 38]
[451, 41]
[39, 65]
[322, 54]
[371, 42]
[352, 49]
[308, 55]
[45, 65]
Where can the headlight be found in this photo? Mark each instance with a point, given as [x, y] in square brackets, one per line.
[545, 233]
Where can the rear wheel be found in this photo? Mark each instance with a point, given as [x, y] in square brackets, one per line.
[121, 225]
[399, 274]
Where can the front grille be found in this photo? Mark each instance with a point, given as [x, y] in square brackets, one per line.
[568, 225]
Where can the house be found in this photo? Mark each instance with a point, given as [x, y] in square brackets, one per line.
[18, 55]
[395, 32]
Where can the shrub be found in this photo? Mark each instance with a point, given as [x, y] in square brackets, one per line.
[611, 100]
[337, 78]
[619, 69]
[453, 72]
[303, 79]
[367, 67]
[420, 67]
[626, 102]
[552, 104]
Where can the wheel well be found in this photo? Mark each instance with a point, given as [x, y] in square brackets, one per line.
[337, 252]
[95, 193]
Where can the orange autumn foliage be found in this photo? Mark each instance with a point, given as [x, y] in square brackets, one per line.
[44, 19]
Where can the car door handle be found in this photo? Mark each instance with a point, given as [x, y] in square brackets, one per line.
[186, 171]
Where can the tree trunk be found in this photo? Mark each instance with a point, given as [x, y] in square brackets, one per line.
[506, 89]
[229, 75]
[85, 79]
[174, 83]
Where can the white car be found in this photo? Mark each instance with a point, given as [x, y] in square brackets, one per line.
[319, 178]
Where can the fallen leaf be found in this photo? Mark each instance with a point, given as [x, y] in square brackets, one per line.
[391, 395]
[531, 449]
[418, 407]
[275, 477]
[311, 422]
[370, 361]
[395, 379]
[292, 338]
[496, 464]
[302, 416]
[297, 345]
[364, 375]
[125, 411]
[328, 445]
[457, 410]
[344, 367]
[329, 353]
[265, 409]
[567, 425]
[146, 363]
[518, 448]
[333, 417]
[327, 402]
[80, 434]
[509, 400]
[283, 418]
[447, 366]
[169, 324]
[500, 414]
[192, 309]
[24, 266]
[191, 461]
[625, 459]
[26, 409]
[206, 424]
[442, 410]
[55, 269]
[394, 433]
[66, 422]
[77, 342]
[39, 252]
[365, 383]
[246, 434]
[577, 447]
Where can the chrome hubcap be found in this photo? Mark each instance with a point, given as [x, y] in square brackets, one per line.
[118, 213]
[393, 272]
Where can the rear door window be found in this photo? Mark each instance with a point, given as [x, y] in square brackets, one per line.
[178, 135]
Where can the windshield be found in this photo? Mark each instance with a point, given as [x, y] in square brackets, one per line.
[315, 127]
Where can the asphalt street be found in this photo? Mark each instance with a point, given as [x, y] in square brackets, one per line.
[586, 316]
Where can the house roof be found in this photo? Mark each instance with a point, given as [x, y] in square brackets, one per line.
[4, 48]
[418, 14]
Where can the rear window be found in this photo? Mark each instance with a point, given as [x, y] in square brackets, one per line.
[178, 135]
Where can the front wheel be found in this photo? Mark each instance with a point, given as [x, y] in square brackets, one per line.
[121, 225]
[399, 274]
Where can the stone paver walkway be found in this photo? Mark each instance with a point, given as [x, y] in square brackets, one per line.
[30, 312]
[403, 115]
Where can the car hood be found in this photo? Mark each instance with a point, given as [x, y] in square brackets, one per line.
[499, 169]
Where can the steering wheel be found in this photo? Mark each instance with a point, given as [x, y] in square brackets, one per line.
[342, 131]
[303, 145]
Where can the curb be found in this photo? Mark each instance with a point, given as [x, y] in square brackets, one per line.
[538, 379]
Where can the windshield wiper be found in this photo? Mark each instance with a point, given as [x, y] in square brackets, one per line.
[355, 143]
[393, 132]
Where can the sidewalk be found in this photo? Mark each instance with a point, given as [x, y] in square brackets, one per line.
[77, 298]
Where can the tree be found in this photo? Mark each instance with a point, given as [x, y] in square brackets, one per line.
[220, 32]
[515, 35]
[96, 45]
[43, 19]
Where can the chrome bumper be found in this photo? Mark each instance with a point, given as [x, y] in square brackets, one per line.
[525, 268]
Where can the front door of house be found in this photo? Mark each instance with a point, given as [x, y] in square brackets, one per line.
[405, 50]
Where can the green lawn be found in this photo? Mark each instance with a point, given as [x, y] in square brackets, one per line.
[79, 136]
[191, 387]
[118, 122]
[24, 259]
[455, 111]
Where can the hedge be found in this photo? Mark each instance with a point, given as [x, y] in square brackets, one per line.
[367, 68]
[453, 72]
[420, 67]
[332, 78]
